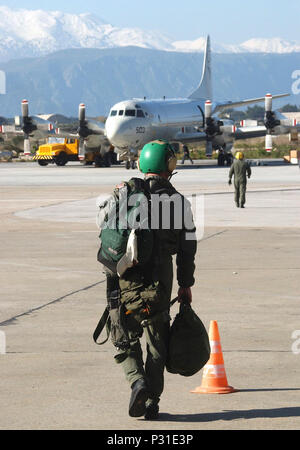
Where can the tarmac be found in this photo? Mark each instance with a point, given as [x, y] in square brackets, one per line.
[52, 374]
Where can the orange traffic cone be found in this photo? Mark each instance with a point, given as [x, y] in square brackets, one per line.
[214, 379]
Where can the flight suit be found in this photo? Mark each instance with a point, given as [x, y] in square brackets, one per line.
[186, 155]
[153, 284]
[240, 169]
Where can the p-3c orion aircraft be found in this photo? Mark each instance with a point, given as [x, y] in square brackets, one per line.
[133, 123]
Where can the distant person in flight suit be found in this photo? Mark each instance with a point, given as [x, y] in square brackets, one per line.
[186, 154]
[240, 169]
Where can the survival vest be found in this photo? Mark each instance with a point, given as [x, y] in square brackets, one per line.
[124, 220]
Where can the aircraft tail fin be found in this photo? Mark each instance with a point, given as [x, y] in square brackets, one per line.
[204, 90]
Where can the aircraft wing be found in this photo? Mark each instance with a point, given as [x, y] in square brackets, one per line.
[41, 130]
[236, 133]
[196, 136]
[96, 127]
[240, 133]
[227, 105]
[92, 128]
[10, 129]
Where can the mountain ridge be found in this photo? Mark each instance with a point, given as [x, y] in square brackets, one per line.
[58, 82]
[32, 33]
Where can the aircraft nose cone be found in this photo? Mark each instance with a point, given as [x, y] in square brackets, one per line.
[115, 132]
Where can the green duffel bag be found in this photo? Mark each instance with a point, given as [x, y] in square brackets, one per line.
[189, 348]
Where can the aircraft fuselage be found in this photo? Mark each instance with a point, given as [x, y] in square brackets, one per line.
[133, 123]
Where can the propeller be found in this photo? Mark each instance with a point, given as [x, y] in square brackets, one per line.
[28, 127]
[213, 128]
[209, 127]
[270, 122]
[83, 131]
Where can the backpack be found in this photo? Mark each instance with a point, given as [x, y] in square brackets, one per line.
[189, 347]
[124, 219]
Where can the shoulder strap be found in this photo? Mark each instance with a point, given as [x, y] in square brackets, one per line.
[141, 185]
[104, 321]
[173, 301]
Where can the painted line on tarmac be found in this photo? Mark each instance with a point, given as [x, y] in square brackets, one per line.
[87, 231]
[42, 268]
[259, 191]
[213, 235]
[35, 199]
[57, 300]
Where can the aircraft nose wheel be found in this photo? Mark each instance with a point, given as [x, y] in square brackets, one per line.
[130, 165]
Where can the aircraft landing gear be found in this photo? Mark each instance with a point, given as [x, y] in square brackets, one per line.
[224, 156]
[130, 164]
[229, 159]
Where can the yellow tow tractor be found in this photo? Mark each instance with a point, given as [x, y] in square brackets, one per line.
[59, 151]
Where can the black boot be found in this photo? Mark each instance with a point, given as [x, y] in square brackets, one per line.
[139, 396]
[152, 412]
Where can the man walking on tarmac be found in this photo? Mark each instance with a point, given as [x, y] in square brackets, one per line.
[145, 290]
[186, 154]
[240, 169]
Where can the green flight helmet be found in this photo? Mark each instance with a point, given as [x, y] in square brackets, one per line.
[157, 157]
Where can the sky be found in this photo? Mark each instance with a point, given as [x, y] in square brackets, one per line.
[229, 22]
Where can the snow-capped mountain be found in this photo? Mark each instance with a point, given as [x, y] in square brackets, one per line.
[27, 33]
[274, 45]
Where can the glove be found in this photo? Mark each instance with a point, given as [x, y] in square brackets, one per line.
[229, 182]
[184, 295]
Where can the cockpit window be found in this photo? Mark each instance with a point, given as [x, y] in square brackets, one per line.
[140, 113]
[121, 112]
[130, 112]
[113, 112]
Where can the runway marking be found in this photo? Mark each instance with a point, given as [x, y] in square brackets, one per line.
[57, 300]
[250, 268]
[202, 192]
[249, 191]
[213, 235]
[36, 199]
[59, 202]
[30, 266]
[94, 231]
[107, 351]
